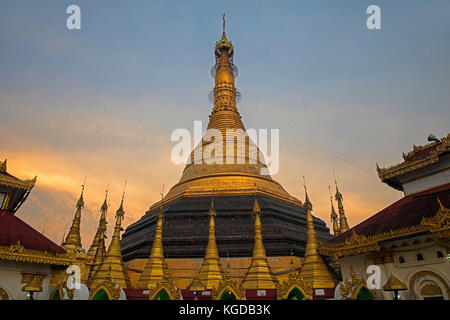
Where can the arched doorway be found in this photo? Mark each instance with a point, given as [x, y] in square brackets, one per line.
[295, 294]
[364, 294]
[428, 285]
[227, 295]
[162, 295]
[100, 295]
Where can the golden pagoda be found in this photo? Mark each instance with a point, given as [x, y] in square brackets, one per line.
[239, 176]
[210, 273]
[235, 182]
[98, 257]
[154, 269]
[314, 269]
[111, 269]
[73, 239]
[101, 229]
[259, 274]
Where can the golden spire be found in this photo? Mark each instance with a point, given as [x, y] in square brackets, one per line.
[247, 165]
[98, 257]
[112, 266]
[334, 217]
[224, 90]
[73, 239]
[154, 270]
[224, 37]
[101, 229]
[210, 274]
[259, 274]
[343, 224]
[314, 269]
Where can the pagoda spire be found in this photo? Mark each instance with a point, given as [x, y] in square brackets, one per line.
[154, 270]
[259, 274]
[334, 216]
[314, 269]
[210, 273]
[224, 88]
[343, 224]
[101, 229]
[98, 257]
[73, 239]
[112, 266]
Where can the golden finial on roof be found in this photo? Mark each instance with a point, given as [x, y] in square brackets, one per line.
[307, 204]
[343, 224]
[334, 216]
[120, 211]
[224, 37]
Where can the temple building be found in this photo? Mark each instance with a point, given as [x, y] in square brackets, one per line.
[186, 233]
[27, 257]
[402, 252]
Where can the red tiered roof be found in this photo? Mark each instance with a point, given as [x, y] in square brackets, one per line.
[13, 229]
[406, 212]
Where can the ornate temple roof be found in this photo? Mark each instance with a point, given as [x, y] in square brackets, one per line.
[419, 157]
[406, 212]
[13, 230]
[16, 189]
[423, 212]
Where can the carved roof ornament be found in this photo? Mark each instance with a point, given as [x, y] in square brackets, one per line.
[438, 225]
[3, 166]
[419, 157]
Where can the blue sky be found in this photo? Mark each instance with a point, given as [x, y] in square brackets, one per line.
[343, 97]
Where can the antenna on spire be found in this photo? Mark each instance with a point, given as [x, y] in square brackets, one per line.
[334, 176]
[223, 27]
[124, 186]
[84, 183]
[106, 192]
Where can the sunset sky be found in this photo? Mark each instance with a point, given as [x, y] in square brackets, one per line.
[104, 100]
